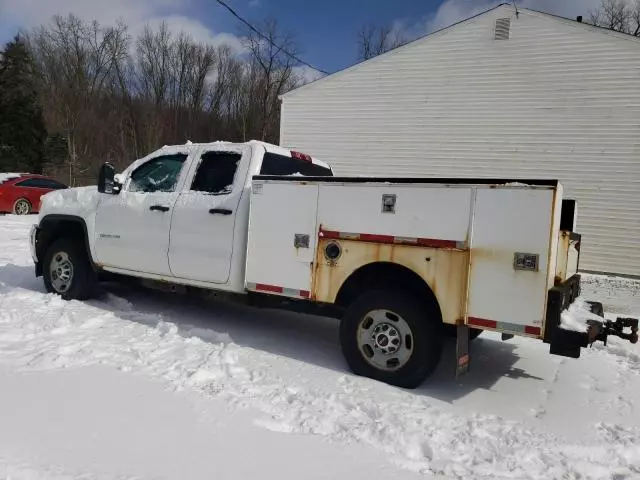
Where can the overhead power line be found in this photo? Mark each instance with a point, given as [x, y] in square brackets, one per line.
[264, 37]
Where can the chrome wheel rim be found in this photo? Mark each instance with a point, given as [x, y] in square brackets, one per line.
[385, 340]
[22, 207]
[61, 272]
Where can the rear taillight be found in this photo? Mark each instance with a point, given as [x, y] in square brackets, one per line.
[301, 156]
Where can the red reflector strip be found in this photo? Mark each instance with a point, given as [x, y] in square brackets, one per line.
[288, 292]
[481, 322]
[268, 288]
[390, 239]
[435, 243]
[301, 156]
[529, 330]
[504, 326]
[370, 237]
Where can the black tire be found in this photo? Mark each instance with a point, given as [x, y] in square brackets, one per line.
[83, 282]
[22, 206]
[426, 329]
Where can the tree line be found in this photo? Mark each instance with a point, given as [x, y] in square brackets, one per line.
[74, 94]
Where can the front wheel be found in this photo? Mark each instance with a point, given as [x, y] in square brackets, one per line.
[392, 338]
[67, 271]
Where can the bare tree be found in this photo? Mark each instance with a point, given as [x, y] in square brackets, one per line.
[375, 40]
[124, 89]
[107, 96]
[190, 63]
[635, 20]
[271, 70]
[153, 56]
[201, 68]
[223, 82]
[619, 15]
[76, 61]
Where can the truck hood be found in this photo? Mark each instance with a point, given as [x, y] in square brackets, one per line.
[78, 201]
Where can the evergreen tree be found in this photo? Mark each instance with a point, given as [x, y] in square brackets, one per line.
[22, 130]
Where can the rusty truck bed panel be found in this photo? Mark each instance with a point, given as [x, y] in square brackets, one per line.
[486, 251]
[444, 270]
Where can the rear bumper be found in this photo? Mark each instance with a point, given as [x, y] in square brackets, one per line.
[563, 342]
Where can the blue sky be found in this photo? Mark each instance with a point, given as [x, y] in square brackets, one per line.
[326, 31]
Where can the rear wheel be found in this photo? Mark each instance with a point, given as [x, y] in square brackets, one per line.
[22, 206]
[391, 337]
[67, 270]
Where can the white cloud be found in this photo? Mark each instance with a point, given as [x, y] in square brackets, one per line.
[407, 31]
[452, 11]
[199, 32]
[135, 13]
[307, 74]
[254, 3]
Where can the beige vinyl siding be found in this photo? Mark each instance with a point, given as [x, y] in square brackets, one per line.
[556, 100]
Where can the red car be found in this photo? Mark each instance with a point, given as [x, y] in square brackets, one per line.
[20, 192]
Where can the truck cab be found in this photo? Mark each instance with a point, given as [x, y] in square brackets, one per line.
[180, 213]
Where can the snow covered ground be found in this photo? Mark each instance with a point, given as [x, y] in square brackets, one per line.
[140, 384]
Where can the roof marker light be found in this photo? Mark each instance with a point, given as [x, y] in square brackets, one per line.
[301, 156]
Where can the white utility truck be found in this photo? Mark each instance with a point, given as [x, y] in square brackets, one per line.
[401, 261]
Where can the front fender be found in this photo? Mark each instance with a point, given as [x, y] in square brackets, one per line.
[74, 203]
[54, 226]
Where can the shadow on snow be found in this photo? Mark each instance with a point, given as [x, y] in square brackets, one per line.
[305, 338]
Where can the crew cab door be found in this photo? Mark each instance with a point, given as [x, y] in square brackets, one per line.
[203, 222]
[132, 228]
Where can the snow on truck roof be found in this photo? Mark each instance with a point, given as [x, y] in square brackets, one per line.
[269, 147]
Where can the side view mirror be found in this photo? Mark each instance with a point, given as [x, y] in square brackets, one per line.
[108, 181]
[105, 178]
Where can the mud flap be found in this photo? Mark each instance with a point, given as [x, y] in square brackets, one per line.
[462, 350]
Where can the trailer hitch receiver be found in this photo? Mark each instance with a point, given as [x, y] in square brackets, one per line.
[599, 331]
[568, 343]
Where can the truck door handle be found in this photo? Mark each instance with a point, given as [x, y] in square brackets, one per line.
[160, 208]
[220, 211]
